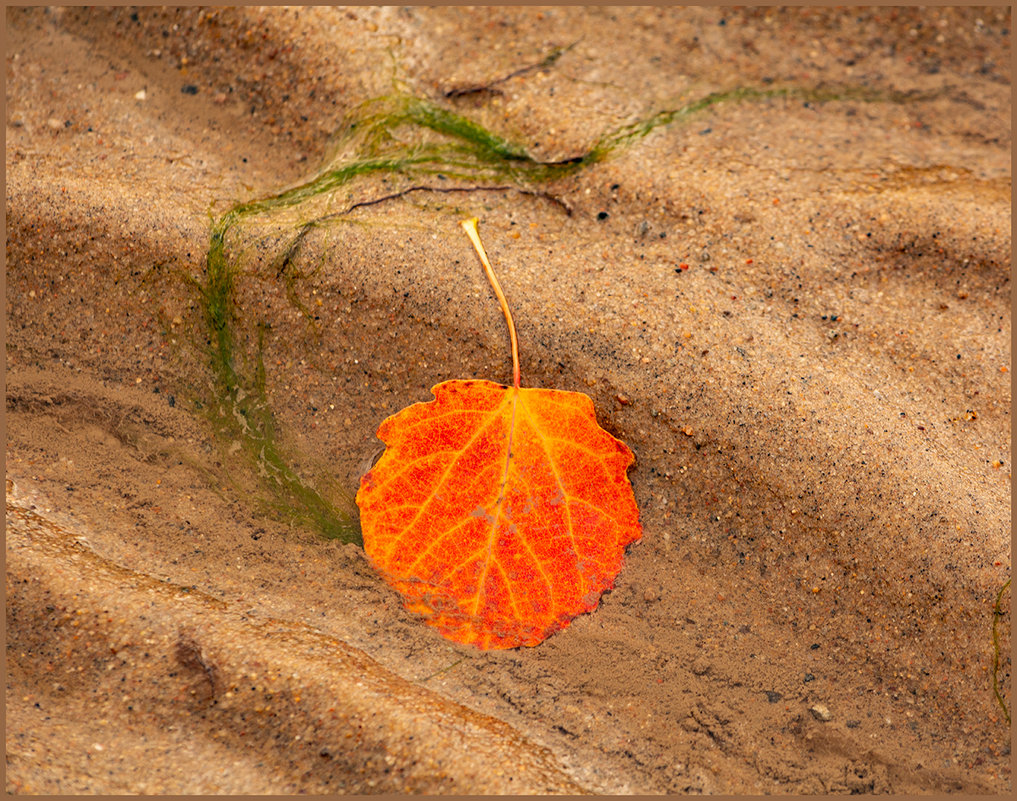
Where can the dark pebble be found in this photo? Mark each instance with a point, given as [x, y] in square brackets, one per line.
[172, 400]
[189, 89]
[603, 215]
[808, 677]
[773, 697]
[853, 724]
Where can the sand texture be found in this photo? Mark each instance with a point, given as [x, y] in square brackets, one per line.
[773, 246]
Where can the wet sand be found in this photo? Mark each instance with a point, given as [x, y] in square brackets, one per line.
[795, 311]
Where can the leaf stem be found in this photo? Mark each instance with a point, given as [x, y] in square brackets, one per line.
[470, 226]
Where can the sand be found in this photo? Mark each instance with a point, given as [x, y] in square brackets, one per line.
[794, 309]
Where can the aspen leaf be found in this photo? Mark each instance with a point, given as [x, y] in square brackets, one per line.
[498, 513]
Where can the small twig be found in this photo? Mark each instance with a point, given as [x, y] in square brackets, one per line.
[997, 613]
[547, 61]
[286, 258]
[445, 190]
[442, 670]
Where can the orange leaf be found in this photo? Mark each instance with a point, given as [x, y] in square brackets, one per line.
[498, 513]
